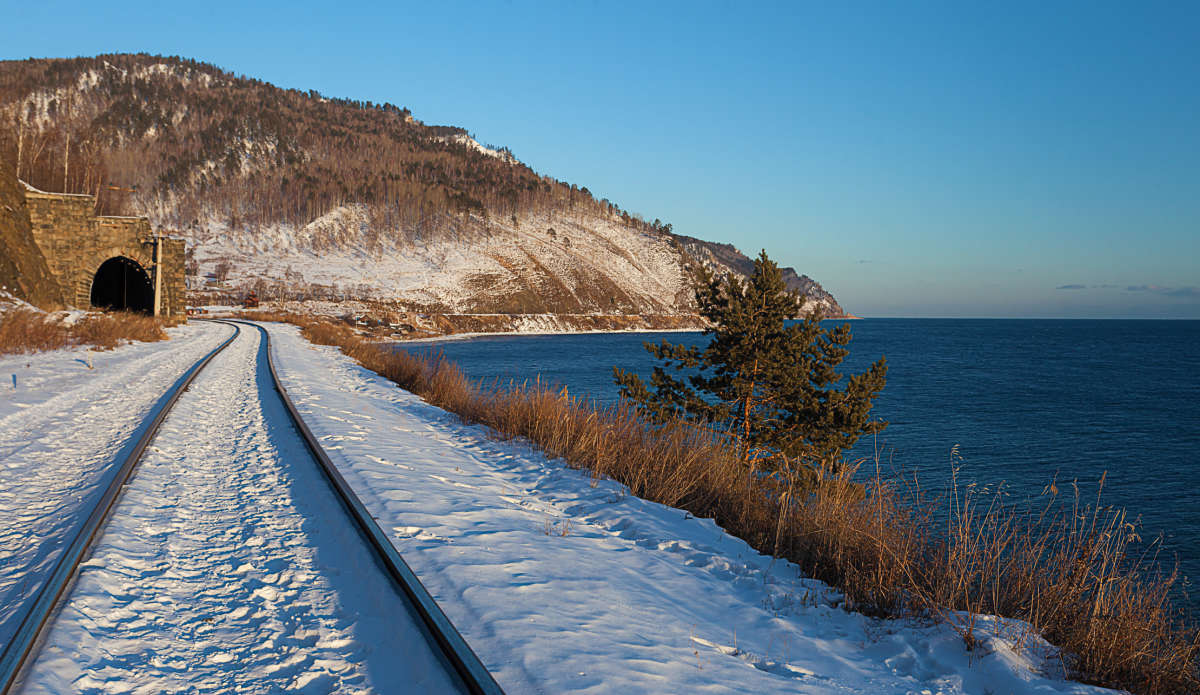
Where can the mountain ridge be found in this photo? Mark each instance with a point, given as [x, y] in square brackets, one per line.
[287, 189]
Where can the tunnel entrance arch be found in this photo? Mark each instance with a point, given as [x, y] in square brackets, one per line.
[121, 283]
[76, 243]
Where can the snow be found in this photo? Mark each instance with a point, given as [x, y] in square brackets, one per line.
[489, 259]
[9, 302]
[472, 143]
[65, 418]
[564, 584]
[31, 189]
[229, 566]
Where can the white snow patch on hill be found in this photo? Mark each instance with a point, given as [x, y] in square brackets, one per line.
[472, 143]
[490, 259]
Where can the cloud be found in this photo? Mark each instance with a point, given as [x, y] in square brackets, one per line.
[1184, 292]
[1188, 292]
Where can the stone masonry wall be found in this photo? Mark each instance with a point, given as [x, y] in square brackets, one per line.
[76, 243]
[174, 277]
[60, 226]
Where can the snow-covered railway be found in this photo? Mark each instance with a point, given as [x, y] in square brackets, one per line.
[68, 438]
[236, 560]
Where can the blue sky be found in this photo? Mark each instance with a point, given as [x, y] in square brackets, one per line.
[916, 158]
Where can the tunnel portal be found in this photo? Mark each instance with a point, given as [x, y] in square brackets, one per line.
[107, 262]
[122, 284]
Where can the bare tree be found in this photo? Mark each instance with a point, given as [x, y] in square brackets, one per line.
[191, 265]
[222, 270]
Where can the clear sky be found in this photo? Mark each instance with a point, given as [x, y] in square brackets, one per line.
[916, 158]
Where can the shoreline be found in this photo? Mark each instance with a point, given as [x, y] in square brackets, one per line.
[470, 335]
[449, 337]
[382, 324]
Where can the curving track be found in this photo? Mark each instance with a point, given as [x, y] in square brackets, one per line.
[235, 561]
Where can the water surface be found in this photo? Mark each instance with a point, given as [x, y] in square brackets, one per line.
[1025, 401]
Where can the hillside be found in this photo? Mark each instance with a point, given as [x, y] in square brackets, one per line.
[726, 258]
[298, 193]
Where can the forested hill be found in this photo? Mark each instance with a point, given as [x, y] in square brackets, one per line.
[320, 192]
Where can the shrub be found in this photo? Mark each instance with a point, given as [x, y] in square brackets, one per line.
[26, 330]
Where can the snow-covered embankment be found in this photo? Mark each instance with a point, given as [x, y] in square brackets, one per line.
[565, 584]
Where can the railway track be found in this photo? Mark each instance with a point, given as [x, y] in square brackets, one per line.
[40, 610]
[429, 626]
[466, 664]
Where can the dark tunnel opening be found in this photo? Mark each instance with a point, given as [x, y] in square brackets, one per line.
[122, 284]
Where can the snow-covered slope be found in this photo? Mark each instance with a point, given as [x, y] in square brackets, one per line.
[544, 263]
[465, 139]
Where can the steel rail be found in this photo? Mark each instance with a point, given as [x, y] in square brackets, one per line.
[457, 652]
[30, 631]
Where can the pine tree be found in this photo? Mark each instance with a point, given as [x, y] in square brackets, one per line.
[766, 383]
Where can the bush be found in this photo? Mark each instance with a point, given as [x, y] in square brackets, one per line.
[27, 331]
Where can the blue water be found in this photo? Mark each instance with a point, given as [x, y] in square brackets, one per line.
[1024, 400]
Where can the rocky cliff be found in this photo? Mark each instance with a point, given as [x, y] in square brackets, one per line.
[23, 270]
[726, 258]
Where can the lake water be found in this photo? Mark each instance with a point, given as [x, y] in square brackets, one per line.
[1024, 400]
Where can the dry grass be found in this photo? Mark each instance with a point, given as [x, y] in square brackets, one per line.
[1073, 571]
[1068, 569]
[27, 331]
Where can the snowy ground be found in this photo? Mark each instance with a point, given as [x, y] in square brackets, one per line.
[225, 569]
[62, 427]
[562, 584]
[229, 566]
